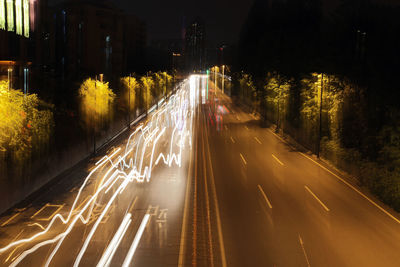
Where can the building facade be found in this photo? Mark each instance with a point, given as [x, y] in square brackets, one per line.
[195, 44]
[21, 22]
[95, 37]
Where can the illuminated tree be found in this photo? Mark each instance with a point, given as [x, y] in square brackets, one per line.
[248, 89]
[24, 127]
[277, 90]
[96, 101]
[161, 82]
[147, 85]
[132, 87]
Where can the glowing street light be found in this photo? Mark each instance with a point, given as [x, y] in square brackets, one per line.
[223, 77]
[10, 70]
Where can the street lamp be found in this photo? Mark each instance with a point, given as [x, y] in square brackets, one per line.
[94, 116]
[223, 78]
[26, 80]
[129, 102]
[215, 80]
[10, 70]
[320, 115]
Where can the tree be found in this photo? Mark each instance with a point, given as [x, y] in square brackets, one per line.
[24, 126]
[131, 86]
[249, 93]
[277, 90]
[147, 85]
[96, 101]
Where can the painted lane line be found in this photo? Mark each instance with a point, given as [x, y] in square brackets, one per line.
[185, 214]
[304, 251]
[45, 206]
[355, 189]
[280, 162]
[258, 140]
[320, 202]
[217, 212]
[13, 251]
[211, 255]
[343, 181]
[59, 207]
[265, 196]
[136, 241]
[133, 205]
[233, 141]
[10, 219]
[244, 161]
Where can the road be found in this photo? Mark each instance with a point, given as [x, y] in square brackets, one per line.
[213, 189]
[128, 197]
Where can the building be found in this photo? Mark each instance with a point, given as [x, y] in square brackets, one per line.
[21, 22]
[195, 44]
[94, 37]
[135, 44]
[165, 54]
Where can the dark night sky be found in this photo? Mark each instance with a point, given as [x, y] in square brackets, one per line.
[224, 18]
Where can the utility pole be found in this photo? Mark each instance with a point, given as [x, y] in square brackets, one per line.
[278, 121]
[320, 116]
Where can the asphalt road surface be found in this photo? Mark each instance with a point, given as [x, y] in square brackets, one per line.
[200, 183]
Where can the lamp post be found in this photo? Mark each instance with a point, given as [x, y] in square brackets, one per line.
[10, 70]
[26, 80]
[165, 76]
[215, 80]
[129, 101]
[94, 116]
[320, 116]
[223, 78]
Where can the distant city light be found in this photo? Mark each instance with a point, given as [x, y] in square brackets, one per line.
[26, 18]
[18, 16]
[2, 15]
[10, 15]
[32, 14]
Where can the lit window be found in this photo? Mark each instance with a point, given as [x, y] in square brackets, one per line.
[2, 15]
[18, 16]
[10, 15]
[26, 18]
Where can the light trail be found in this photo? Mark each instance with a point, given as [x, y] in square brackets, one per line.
[135, 242]
[112, 247]
[174, 121]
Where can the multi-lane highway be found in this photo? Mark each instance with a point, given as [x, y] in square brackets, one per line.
[200, 183]
[123, 207]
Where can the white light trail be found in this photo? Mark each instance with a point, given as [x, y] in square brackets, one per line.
[112, 247]
[135, 242]
[142, 152]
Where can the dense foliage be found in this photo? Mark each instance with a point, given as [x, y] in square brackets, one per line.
[25, 127]
[296, 50]
[97, 99]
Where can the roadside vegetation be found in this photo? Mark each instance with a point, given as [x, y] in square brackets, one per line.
[293, 105]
